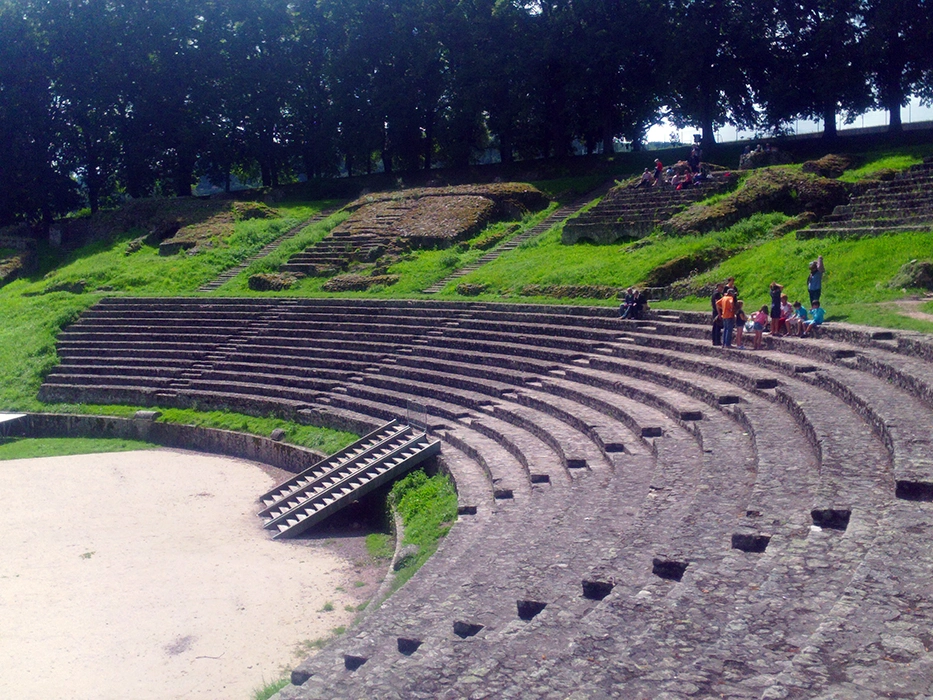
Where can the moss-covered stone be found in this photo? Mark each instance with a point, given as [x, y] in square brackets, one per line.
[684, 266]
[831, 165]
[773, 190]
[471, 290]
[271, 282]
[570, 291]
[917, 274]
[357, 283]
[244, 211]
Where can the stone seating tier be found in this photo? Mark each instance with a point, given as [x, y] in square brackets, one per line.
[632, 498]
[901, 205]
[630, 212]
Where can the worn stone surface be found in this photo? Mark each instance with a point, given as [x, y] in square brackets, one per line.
[619, 444]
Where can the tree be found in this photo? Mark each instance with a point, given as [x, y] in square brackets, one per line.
[816, 68]
[81, 40]
[712, 51]
[33, 183]
[895, 48]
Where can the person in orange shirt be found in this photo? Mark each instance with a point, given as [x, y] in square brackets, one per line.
[726, 308]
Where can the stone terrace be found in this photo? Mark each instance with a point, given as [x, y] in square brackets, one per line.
[641, 514]
[899, 205]
[634, 212]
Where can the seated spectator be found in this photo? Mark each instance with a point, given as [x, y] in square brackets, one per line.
[787, 311]
[686, 181]
[646, 179]
[639, 305]
[817, 314]
[797, 319]
[628, 302]
[677, 180]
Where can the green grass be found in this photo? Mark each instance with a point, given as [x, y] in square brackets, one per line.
[618, 265]
[893, 159]
[380, 545]
[267, 690]
[428, 508]
[309, 235]
[28, 448]
[857, 270]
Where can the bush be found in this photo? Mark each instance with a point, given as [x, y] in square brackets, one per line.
[917, 274]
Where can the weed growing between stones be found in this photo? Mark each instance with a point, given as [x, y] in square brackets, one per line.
[267, 690]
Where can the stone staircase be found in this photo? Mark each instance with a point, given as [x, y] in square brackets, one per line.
[228, 275]
[324, 488]
[558, 215]
[641, 514]
[634, 212]
[896, 206]
[348, 243]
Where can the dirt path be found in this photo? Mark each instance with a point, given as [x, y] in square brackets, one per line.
[147, 575]
[911, 308]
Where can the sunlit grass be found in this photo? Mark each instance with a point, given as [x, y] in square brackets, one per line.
[29, 448]
[887, 159]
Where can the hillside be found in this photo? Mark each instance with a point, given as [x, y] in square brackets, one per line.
[864, 284]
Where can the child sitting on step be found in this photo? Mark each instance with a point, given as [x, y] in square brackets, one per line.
[817, 314]
[797, 319]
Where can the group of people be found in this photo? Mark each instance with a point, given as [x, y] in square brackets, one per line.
[681, 175]
[634, 304]
[731, 322]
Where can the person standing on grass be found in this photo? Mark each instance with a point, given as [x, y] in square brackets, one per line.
[815, 280]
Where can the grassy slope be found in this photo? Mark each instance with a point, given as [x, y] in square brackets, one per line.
[855, 289]
[30, 318]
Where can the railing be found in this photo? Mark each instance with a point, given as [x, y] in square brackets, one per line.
[416, 415]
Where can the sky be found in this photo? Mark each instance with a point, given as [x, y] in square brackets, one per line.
[914, 112]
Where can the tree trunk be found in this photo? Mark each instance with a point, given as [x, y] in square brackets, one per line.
[184, 167]
[429, 142]
[708, 137]
[266, 172]
[893, 105]
[829, 121]
[505, 148]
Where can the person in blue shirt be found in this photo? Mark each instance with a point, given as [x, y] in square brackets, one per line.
[817, 314]
[796, 321]
[815, 279]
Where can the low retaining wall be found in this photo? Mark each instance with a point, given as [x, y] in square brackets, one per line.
[291, 458]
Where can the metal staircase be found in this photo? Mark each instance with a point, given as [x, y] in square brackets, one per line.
[308, 498]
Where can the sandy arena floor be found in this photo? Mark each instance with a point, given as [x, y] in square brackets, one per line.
[147, 575]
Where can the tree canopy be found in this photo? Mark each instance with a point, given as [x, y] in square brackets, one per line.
[108, 98]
